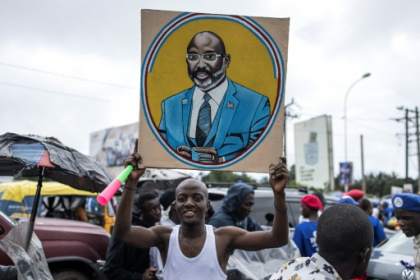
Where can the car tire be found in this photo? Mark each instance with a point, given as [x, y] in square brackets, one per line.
[69, 275]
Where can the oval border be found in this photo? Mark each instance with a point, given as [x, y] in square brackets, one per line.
[253, 27]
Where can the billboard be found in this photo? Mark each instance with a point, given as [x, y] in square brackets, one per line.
[346, 173]
[112, 145]
[314, 153]
[212, 90]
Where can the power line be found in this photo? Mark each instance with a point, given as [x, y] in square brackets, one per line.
[56, 92]
[64, 75]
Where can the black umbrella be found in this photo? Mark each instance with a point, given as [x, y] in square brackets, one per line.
[32, 155]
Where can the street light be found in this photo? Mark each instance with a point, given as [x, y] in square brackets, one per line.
[345, 111]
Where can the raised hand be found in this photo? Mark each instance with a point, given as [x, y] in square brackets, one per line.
[134, 160]
[279, 175]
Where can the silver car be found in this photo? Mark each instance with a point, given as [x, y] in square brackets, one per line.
[385, 262]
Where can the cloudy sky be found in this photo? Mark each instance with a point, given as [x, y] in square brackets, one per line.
[70, 68]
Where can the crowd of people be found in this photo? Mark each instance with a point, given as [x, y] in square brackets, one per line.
[173, 237]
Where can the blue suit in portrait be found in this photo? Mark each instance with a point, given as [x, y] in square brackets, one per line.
[242, 116]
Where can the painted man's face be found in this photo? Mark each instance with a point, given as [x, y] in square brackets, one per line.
[208, 69]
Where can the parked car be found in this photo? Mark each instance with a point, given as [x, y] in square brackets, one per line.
[263, 210]
[385, 262]
[57, 200]
[72, 248]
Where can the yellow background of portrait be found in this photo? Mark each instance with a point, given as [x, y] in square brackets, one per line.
[250, 65]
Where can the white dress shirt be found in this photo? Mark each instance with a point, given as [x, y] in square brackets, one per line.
[216, 95]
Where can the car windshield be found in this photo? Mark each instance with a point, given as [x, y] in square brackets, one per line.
[398, 243]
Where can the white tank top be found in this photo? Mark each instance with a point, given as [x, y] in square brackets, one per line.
[203, 266]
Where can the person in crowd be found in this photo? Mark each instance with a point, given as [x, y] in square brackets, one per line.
[125, 261]
[305, 233]
[193, 249]
[344, 237]
[356, 194]
[407, 212]
[348, 200]
[236, 209]
[321, 197]
[210, 212]
[378, 230]
[375, 210]
[387, 212]
[170, 216]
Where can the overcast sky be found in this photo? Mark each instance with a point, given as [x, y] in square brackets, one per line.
[69, 68]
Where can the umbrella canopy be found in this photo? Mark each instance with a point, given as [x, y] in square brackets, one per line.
[32, 155]
[163, 178]
[24, 155]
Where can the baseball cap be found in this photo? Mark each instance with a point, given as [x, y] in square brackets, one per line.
[347, 200]
[356, 193]
[407, 201]
[312, 201]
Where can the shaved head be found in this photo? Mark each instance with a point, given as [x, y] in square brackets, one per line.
[192, 183]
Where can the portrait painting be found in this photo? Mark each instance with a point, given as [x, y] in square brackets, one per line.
[212, 90]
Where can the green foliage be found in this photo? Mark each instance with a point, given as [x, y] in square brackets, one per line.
[227, 176]
[380, 184]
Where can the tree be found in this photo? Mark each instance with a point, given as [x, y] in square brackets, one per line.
[380, 184]
[227, 176]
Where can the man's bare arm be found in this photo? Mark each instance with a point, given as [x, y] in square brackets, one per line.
[135, 235]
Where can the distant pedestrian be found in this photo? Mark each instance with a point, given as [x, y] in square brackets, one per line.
[305, 233]
[378, 229]
[387, 212]
[236, 209]
[407, 211]
[356, 194]
[344, 237]
[125, 261]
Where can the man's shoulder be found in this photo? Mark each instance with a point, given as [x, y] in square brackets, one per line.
[178, 96]
[245, 91]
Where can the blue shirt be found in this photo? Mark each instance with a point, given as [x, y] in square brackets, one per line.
[378, 230]
[388, 213]
[305, 238]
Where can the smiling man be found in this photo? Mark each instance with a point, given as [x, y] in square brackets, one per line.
[217, 119]
[407, 211]
[194, 250]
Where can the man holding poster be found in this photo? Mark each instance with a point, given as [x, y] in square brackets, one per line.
[193, 249]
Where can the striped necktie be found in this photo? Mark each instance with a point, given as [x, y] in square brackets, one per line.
[203, 122]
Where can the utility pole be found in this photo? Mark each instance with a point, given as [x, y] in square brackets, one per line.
[407, 119]
[418, 147]
[363, 164]
[406, 144]
[287, 114]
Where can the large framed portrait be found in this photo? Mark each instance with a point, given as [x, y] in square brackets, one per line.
[212, 90]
